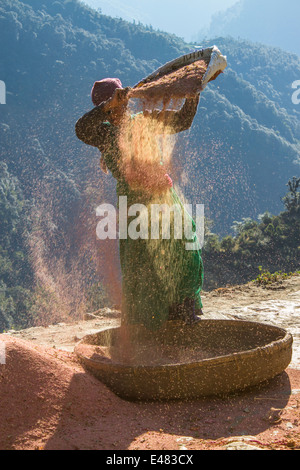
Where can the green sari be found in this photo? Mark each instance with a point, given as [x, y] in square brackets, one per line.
[156, 274]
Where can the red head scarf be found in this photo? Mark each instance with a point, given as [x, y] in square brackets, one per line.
[104, 89]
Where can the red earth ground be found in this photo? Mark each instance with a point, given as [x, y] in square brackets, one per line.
[48, 402]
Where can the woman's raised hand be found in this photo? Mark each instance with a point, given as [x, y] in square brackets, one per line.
[119, 99]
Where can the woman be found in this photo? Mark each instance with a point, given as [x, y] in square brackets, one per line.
[160, 280]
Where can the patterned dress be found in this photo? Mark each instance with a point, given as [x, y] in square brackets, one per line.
[161, 280]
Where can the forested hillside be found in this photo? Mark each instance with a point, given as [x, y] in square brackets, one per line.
[15, 271]
[238, 157]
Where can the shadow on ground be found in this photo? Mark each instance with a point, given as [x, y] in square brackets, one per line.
[108, 422]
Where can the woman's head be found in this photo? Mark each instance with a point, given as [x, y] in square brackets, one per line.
[104, 89]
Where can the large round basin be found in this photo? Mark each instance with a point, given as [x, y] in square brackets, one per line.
[213, 357]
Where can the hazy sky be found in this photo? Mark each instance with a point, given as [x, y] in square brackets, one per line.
[185, 18]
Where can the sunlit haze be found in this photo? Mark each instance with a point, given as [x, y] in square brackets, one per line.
[185, 19]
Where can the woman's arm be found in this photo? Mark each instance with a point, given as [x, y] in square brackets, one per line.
[178, 121]
[87, 127]
[112, 110]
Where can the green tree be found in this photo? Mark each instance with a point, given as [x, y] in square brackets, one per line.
[292, 198]
[15, 275]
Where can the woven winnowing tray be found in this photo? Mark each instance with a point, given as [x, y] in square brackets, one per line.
[182, 77]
